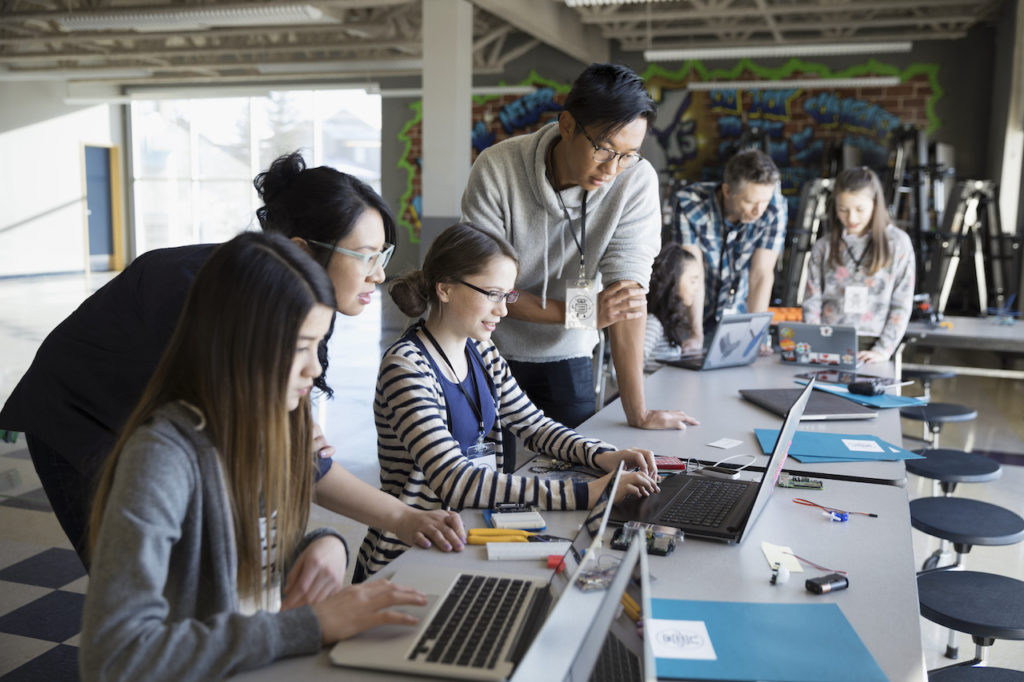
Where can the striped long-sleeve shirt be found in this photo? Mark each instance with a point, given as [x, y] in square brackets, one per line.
[422, 464]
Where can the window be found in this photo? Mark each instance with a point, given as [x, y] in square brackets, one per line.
[194, 159]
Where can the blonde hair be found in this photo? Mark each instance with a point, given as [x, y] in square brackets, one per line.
[230, 360]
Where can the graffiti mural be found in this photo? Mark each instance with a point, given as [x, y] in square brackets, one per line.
[803, 130]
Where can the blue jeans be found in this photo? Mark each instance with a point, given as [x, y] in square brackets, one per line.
[563, 390]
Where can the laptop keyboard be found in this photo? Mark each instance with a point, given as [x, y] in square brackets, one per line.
[616, 663]
[475, 619]
[708, 503]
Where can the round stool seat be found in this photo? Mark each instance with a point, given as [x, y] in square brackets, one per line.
[968, 674]
[954, 466]
[939, 413]
[979, 604]
[967, 522]
[923, 375]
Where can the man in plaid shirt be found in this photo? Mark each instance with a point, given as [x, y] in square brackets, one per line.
[736, 229]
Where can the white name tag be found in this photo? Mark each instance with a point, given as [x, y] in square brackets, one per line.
[483, 455]
[581, 304]
[855, 300]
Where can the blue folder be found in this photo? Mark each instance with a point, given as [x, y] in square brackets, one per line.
[772, 642]
[816, 446]
[878, 401]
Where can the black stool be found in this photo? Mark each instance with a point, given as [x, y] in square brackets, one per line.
[934, 415]
[947, 468]
[985, 606]
[925, 377]
[964, 523]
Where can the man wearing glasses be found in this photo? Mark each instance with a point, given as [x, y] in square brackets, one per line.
[582, 209]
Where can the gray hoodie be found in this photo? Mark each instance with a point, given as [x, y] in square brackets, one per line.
[508, 192]
[162, 602]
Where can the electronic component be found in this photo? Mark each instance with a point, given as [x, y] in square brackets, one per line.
[719, 472]
[791, 481]
[827, 583]
[661, 540]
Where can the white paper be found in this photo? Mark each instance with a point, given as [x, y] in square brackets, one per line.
[862, 445]
[782, 555]
[680, 639]
[725, 443]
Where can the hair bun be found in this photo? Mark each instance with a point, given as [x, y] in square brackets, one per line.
[409, 293]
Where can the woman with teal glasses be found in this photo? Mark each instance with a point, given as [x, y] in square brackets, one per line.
[90, 371]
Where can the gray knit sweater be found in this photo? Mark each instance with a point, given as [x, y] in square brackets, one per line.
[162, 602]
[509, 193]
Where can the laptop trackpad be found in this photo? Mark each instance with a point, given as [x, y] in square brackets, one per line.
[388, 632]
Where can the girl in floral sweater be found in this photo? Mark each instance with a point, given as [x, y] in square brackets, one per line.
[862, 273]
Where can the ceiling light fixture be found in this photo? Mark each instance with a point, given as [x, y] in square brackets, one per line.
[35, 75]
[478, 91]
[823, 50]
[354, 66]
[590, 3]
[195, 19]
[806, 83]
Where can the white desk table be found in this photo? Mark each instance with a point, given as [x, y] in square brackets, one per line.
[880, 604]
[713, 398]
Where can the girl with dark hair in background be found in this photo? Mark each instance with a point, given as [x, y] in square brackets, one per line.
[201, 510]
[862, 275]
[90, 371]
[444, 393]
[675, 283]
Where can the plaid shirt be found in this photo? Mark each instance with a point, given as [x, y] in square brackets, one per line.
[727, 256]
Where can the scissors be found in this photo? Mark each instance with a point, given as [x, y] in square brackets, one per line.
[481, 536]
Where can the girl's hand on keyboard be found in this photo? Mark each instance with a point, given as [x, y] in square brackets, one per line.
[358, 608]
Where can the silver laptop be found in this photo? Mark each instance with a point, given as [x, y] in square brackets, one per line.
[478, 625]
[821, 345]
[735, 341]
[713, 508]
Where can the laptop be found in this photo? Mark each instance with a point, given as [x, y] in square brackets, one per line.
[818, 344]
[712, 508]
[821, 406]
[624, 655]
[611, 648]
[478, 625]
[736, 341]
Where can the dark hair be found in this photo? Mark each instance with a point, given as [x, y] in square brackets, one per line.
[319, 204]
[753, 166]
[458, 252]
[229, 361]
[857, 180]
[606, 97]
[663, 300]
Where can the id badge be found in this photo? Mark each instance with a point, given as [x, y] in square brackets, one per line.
[855, 300]
[483, 454]
[581, 304]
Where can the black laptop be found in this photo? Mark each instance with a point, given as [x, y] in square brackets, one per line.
[714, 508]
[821, 406]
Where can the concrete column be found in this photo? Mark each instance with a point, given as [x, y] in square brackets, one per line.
[447, 111]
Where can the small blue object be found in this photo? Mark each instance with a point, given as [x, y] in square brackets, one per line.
[837, 515]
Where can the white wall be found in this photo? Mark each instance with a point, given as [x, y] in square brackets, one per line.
[42, 177]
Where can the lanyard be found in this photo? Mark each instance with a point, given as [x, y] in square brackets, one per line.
[581, 243]
[473, 404]
[857, 261]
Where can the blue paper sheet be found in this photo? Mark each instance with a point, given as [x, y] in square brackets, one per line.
[772, 642]
[815, 446]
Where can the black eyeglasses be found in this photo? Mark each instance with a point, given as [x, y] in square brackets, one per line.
[494, 296]
[604, 155]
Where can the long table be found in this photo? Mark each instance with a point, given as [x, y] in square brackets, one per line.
[713, 398]
[880, 604]
[877, 553]
[974, 333]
